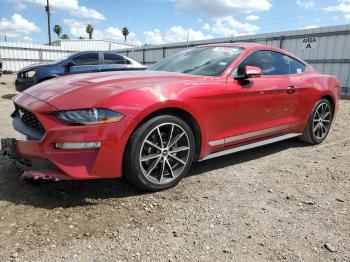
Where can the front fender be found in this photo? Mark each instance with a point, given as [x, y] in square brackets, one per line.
[171, 104]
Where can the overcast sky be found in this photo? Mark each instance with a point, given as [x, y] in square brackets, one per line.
[166, 21]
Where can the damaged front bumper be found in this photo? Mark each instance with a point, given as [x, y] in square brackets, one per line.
[33, 169]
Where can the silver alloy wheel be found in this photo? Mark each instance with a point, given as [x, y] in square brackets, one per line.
[322, 121]
[164, 153]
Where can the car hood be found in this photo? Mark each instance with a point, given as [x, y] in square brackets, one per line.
[33, 67]
[87, 90]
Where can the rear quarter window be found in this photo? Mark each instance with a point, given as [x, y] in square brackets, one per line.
[110, 58]
[297, 67]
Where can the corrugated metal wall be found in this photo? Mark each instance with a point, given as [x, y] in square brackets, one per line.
[16, 55]
[330, 54]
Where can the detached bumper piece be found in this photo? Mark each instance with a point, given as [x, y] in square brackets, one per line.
[8, 148]
[36, 169]
[44, 175]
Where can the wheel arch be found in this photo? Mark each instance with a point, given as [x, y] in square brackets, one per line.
[330, 99]
[184, 115]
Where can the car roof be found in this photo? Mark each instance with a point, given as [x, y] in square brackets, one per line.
[96, 51]
[245, 45]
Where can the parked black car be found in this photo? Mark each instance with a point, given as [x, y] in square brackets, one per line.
[81, 62]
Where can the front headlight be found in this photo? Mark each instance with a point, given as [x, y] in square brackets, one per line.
[31, 73]
[91, 116]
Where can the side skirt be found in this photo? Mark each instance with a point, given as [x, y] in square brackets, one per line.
[250, 146]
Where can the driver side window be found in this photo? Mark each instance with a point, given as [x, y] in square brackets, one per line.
[86, 59]
[271, 63]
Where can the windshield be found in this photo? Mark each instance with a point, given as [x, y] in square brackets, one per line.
[207, 61]
[61, 59]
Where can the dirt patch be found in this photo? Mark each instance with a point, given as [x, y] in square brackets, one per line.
[286, 201]
[8, 96]
[8, 81]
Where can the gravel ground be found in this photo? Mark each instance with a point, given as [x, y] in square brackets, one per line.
[286, 201]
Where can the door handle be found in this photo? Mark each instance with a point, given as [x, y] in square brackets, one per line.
[291, 89]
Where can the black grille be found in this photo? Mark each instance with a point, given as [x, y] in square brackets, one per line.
[30, 120]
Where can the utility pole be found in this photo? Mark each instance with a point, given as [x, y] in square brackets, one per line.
[47, 8]
[188, 36]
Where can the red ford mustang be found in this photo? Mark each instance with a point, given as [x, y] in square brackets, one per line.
[198, 104]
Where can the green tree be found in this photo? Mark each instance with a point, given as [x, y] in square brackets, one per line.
[89, 30]
[125, 32]
[58, 30]
[80, 37]
[65, 37]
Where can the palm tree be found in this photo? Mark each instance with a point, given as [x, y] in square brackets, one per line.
[89, 30]
[125, 33]
[58, 30]
[65, 37]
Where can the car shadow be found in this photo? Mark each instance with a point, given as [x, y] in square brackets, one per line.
[245, 156]
[8, 96]
[66, 194]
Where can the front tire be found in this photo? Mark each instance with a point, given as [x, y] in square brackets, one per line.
[159, 153]
[319, 123]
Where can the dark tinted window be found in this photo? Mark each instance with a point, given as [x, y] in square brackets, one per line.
[110, 58]
[271, 63]
[296, 67]
[86, 59]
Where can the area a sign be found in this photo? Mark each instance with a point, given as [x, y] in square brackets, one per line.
[310, 42]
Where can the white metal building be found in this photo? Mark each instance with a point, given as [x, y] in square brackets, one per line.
[16, 55]
[89, 44]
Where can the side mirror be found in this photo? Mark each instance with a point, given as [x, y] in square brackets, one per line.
[250, 72]
[70, 63]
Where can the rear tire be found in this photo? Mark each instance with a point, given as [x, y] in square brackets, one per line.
[159, 153]
[319, 123]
